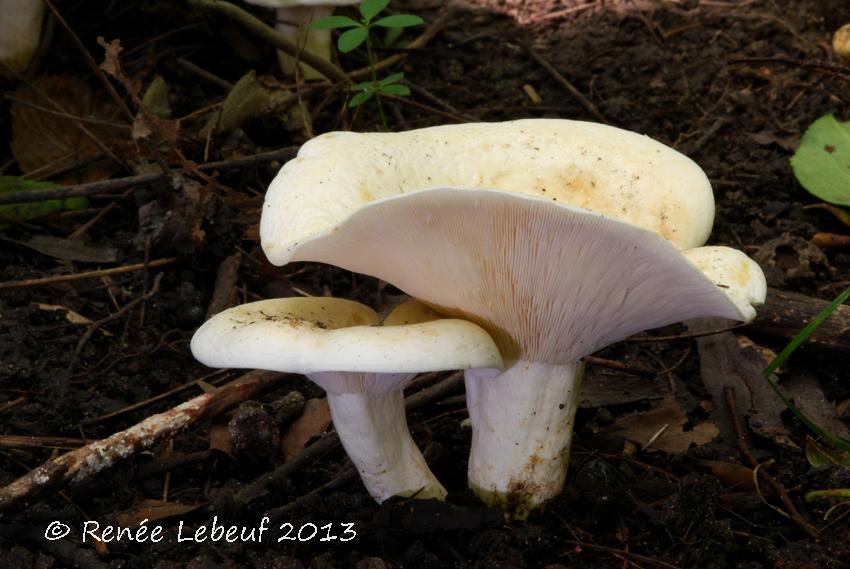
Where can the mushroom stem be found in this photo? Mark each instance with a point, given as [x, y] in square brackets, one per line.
[522, 425]
[292, 22]
[373, 430]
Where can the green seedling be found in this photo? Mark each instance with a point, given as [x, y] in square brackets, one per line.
[822, 163]
[363, 32]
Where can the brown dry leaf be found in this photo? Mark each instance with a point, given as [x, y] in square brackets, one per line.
[220, 438]
[152, 510]
[112, 65]
[45, 143]
[727, 360]
[764, 138]
[667, 418]
[731, 474]
[314, 420]
[146, 123]
[73, 317]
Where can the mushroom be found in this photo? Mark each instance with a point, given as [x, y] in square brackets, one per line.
[20, 34]
[293, 17]
[841, 43]
[581, 246]
[363, 367]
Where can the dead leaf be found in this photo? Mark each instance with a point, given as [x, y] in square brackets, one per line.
[669, 420]
[45, 143]
[727, 360]
[220, 438]
[70, 250]
[152, 510]
[731, 474]
[764, 138]
[146, 122]
[831, 241]
[840, 214]
[314, 420]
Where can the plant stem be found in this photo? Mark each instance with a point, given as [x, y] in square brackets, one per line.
[370, 54]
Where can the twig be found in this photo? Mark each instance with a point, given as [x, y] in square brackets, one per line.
[87, 275]
[91, 62]
[620, 553]
[85, 463]
[426, 108]
[120, 184]
[204, 74]
[571, 89]
[837, 69]
[620, 366]
[95, 326]
[743, 447]
[566, 11]
[156, 398]
[685, 336]
[271, 36]
[346, 474]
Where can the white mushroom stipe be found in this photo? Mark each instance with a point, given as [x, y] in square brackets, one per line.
[292, 20]
[338, 344]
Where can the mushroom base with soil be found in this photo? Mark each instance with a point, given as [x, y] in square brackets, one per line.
[520, 451]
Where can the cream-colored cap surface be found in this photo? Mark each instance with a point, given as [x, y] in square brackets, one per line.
[622, 174]
[311, 335]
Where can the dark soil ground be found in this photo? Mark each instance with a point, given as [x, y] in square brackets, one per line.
[730, 83]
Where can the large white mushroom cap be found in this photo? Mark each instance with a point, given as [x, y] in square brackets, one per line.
[621, 174]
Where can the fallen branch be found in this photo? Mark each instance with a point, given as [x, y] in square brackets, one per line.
[83, 464]
[784, 314]
[118, 185]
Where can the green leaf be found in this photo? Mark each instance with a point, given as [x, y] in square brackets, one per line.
[822, 163]
[350, 39]
[362, 86]
[360, 98]
[333, 22]
[392, 35]
[819, 456]
[27, 211]
[394, 78]
[395, 89]
[399, 21]
[370, 8]
[835, 440]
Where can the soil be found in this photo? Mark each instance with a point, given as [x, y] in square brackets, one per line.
[730, 83]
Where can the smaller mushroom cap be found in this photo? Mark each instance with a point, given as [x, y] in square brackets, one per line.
[313, 335]
[739, 277]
